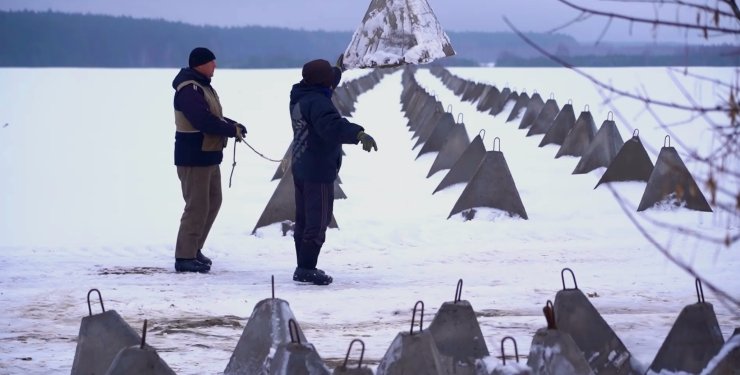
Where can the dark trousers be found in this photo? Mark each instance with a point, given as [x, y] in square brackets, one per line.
[314, 203]
[201, 190]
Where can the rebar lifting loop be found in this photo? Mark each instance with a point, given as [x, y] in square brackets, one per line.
[667, 139]
[143, 335]
[292, 325]
[458, 291]
[552, 96]
[570, 101]
[516, 350]
[610, 114]
[636, 133]
[100, 298]
[699, 290]
[459, 117]
[549, 312]
[421, 318]
[562, 278]
[362, 353]
[499, 144]
[272, 282]
[449, 108]
[587, 108]
[534, 92]
[482, 134]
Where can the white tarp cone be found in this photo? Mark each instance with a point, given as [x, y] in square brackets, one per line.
[397, 32]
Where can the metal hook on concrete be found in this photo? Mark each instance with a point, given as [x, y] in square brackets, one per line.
[610, 114]
[100, 297]
[458, 291]
[272, 282]
[362, 353]
[552, 96]
[570, 101]
[516, 350]
[421, 318]
[699, 290]
[459, 116]
[499, 144]
[292, 325]
[562, 278]
[143, 335]
[449, 108]
[667, 139]
[482, 134]
[636, 133]
[587, 108]
[549, 312]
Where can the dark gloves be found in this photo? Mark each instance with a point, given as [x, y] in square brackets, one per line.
[367, 141]
[241, 131]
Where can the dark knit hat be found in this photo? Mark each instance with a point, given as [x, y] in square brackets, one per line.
[319, 72]
[200, 56]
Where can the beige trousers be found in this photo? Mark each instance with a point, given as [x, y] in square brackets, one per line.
[201, 189]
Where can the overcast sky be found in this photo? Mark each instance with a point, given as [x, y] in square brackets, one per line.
[454, 15]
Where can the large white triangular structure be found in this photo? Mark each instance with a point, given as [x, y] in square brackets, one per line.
[397, 32]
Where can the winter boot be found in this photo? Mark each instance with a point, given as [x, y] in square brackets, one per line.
[191, 265]
[315, 276]
[203, 259]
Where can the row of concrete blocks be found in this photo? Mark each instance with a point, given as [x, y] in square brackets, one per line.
[576, 341]
[668, 179]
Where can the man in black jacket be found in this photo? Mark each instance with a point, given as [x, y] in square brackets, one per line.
[200, 137]
[318, 134]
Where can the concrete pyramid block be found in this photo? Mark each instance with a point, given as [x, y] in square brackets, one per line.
[554, 352]
[100, 339]
[672, 181]
[692, 342]
[544, 119]
[600, 345]
[501, 101]
[492, 186]
[455, 145]
[396, 32]
[464, 168]
[140, 360]
[295, 358]
[727, 361]
[576, 142]
[602, 150]
[437, 138]
[267, 328]
[534, 106]
[443, 121]
[631, 163]
[412, 352]
[488, 100]
[561, 126]
[519, 105]
[456, 331]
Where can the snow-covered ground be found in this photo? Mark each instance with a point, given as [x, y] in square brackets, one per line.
[90, 199]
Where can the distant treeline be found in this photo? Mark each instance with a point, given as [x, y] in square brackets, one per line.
[52, 39]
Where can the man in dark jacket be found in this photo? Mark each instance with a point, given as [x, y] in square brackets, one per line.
[318, 134]
[200, 137]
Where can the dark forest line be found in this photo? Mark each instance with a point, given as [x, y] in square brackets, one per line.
[53, 39]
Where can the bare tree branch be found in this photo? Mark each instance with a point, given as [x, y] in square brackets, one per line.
[655, 22]
[611, 88]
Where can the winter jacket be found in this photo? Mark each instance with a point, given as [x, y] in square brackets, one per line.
[318, 133]
[201, 128]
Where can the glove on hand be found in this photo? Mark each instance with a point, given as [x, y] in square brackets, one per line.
[367, 141]
[241, 131]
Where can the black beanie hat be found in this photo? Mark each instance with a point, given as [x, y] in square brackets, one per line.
[200, 56]
[319, 72]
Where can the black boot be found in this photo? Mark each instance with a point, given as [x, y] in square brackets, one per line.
[203, 259]
[317, 277]
[191, 265]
